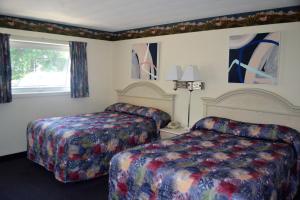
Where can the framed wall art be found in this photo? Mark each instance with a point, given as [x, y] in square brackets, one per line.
[253, 58]
[144, 62]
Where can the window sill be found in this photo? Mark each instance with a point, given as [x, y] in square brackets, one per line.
[40, 94]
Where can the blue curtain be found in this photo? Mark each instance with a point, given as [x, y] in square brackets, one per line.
[79, 70]
[5, 70]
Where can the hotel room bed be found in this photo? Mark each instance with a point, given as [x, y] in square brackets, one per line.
[218, 159]
[80, 147]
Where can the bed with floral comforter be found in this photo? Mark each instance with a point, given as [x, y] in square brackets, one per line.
[218, 159]
[80, 147]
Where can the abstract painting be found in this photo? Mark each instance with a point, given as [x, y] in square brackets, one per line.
[253, 58]
[144, 62]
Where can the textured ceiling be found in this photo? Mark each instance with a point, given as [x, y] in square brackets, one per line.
[116, 15]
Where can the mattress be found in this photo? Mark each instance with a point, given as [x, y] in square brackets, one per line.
[80, 147]
[218, 159]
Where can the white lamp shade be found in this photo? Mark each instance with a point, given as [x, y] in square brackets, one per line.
[174, 74]
[191, 73]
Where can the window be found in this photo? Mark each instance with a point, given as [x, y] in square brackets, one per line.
[39, 66]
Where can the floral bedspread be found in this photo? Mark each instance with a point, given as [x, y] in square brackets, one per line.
[80, 147]
[219, 159]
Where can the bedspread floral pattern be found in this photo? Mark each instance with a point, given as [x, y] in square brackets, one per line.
[80, 147]
[219, 159]
[160, 117]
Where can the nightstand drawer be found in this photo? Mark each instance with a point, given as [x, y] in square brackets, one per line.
[168, 133]
[165, 135]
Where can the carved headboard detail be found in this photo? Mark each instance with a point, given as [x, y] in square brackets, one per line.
[147, 94]
[254, 105]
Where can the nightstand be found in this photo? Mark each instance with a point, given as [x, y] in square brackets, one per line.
[168, 133]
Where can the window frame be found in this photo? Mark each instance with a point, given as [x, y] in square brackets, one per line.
[17, 41]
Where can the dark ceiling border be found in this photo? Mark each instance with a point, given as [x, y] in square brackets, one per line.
[271, 16]
[55, 28]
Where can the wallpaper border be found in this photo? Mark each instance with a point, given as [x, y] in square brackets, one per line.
[271, 16]
[54, 28]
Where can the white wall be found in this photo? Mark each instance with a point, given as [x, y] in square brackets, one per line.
[109, 69]
[209, 50]
[15, 116]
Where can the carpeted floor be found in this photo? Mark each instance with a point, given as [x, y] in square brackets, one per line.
[21, 179]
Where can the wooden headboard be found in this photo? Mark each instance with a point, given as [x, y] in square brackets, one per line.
[147, 94]
[254, 105]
